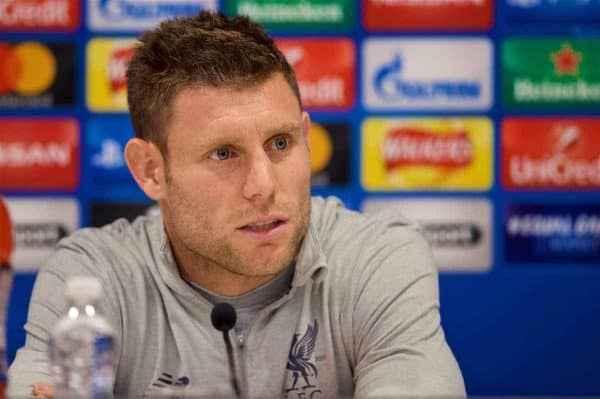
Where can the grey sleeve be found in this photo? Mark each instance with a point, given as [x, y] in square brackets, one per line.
[400, 348]
[46, 307]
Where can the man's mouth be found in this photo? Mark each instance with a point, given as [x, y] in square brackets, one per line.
[263, 226]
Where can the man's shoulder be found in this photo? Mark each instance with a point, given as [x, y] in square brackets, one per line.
[118, 235]
[370, 247]
[119, 245]
[339, 227]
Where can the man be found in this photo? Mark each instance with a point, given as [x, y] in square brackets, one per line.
[329, 302]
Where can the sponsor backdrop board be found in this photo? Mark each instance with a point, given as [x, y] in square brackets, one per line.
[37, 74]
[552, 233]
[555, 73]
[427, 154]
[135, 15]
[39, 224]
[403, 73]
[459, 232]
[479, 119]
[27, 15]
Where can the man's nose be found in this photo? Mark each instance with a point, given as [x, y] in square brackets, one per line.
[260, 181]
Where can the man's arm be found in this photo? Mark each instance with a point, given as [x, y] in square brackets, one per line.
[400, 349]
[31, 363]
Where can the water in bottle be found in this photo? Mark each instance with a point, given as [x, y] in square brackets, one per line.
[82, 346]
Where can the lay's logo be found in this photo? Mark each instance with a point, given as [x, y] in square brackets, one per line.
[107, 61]
[415, 146]
[117, 68]
[427, 154]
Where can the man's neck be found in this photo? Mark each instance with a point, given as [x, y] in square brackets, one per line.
[221, 281]
[213, 277]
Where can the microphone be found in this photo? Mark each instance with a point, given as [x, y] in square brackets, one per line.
[223, 318]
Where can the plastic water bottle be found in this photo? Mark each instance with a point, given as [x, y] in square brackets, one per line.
[82, 347]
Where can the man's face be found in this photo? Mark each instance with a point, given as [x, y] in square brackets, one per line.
[237, 178]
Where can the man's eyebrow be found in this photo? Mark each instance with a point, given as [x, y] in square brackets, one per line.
[225, 139]
[284, 128]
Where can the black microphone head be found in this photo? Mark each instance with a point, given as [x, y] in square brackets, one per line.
[223, 316]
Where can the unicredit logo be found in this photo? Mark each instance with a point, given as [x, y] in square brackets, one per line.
[324, 70]
[551, 153]
[557, 170]
[34, 13]
[147, 9]
[327, 90]
[389, 85]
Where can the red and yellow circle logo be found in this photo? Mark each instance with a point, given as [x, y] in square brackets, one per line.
[321, 148]
[27, 69]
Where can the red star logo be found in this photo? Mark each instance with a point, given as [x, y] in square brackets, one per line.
[566, 61]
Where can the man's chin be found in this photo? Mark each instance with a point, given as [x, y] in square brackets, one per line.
[265, 267]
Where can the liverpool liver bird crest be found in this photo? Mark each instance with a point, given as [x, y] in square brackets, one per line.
[300, 354]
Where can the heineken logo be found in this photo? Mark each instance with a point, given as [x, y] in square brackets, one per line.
[566, 61]
[304, 13]
[292, 12]
[552, 92]
[551, 72]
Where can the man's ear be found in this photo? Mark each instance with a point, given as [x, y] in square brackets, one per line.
[146, 164]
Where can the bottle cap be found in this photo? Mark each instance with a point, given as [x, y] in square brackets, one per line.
[83, 290]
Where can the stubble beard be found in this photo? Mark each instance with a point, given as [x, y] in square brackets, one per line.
[205, 248]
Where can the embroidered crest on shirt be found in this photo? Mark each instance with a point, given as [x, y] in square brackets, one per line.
[304, 371]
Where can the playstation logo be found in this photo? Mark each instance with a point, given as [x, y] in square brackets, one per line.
[110, 155]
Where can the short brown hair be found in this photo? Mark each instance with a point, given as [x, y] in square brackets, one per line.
[210, 50]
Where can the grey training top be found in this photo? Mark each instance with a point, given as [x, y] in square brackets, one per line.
[361, 317]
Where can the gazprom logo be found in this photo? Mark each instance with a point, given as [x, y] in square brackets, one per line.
[389, 84]
[421, 73]
[148, 9]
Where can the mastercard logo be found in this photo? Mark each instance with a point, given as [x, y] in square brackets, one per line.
[321, 148]
[27, 68]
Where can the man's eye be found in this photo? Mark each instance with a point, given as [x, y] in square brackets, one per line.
[280, 143]
[221, 154]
